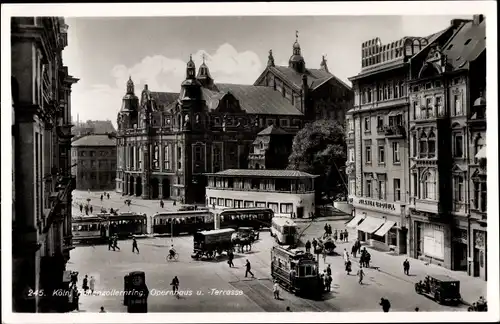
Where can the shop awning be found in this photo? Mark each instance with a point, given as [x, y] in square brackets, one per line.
[355, 221]
[482, 153]
[385, 228]
[370, 224]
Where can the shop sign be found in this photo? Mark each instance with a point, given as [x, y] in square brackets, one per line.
[381, 206]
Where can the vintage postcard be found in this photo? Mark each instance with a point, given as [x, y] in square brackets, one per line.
[221, 162]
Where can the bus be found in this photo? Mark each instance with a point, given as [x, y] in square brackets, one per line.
[87, 229]
[125, 225]
[284, 230]
[256, 218]
[190, 222]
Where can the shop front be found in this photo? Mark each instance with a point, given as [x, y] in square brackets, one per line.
[433, 242]
[479, 254]
[379, 224]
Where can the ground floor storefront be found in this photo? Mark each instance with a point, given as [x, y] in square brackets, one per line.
[156, 187]
[380, 225]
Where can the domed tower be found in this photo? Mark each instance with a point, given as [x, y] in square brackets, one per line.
[130, 105]
[204, 75]
[296, 60]
[190, 87]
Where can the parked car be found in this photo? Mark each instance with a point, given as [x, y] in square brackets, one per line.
[442, 288]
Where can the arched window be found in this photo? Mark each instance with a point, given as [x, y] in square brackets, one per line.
[431, 145]
[429, 185]
[416, 46]
[422, 145]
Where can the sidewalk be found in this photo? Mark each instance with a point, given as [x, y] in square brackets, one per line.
[471, 288]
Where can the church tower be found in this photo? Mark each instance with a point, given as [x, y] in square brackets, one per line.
[204, 75]
[127, 116]
[296, 61]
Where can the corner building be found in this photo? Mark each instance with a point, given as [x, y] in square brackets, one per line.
[41, 222]
[447, 147]
[167, 142]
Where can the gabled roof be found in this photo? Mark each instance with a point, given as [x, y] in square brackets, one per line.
[272, 130]
[315, 77]
[466, 45]
[260, 99]
[264, 173]
[95, 140]
[164, 98]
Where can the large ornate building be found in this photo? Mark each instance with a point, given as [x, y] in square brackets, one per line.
[41, 222]
[415, 138]
[166, 142]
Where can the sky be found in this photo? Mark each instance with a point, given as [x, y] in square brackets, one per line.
[104, 52]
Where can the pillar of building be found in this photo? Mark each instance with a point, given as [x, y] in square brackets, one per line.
[160, 190]
[217, 220]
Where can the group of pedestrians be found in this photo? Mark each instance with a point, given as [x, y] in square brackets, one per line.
[113, 243]
[104, 195]
[88, 209]
[326, 278]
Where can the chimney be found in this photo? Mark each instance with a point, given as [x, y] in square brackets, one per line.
[477, 19]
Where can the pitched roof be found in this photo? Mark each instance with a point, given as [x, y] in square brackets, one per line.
[260, 99]
[466, 45]
[273, 130]
[265, 173]
[164, 98]
[95, 140]
[315, 77]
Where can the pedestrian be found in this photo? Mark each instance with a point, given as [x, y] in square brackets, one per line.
[85, 285]
[102, 310]
[175, 285]
[86, 209]
[92, 285]
[288, 309]
[335, 236]
[230, 256]
[328, 282]
[361, 275]
[324, 254]
[108, 196]
[308, 246]
[406, 267]
[115, 242]
[101, 197]
[111, 243]
[329, 270]
[74, 277]
[346, 235]
[248, 269]
[161, 203]
[76, 298]
[91, 209]
[276, 290]
[348, 267]
[367, 259]
[81, 208]
[416, 309]
[134, 245]
[341, 236]
[386, 305]
[346, 255]
[129, 202]
[329, 229]
[326, 228]
[314, 244]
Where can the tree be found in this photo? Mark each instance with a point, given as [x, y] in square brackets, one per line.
[320, 149]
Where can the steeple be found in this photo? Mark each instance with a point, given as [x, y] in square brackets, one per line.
[270, 58]
[190, 68]
[204, 74]
[296, 60]
[130, 86]
[323, 65]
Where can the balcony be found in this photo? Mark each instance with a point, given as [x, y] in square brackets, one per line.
[429, 206]
[429, 114]
[395, 131]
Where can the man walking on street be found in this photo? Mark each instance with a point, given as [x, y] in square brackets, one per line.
[115, 242]
[230, 256]
[276, 290]
[346, 235]
[335, 236]
[386, 305]
[81, 208]
[248, 269]
[361, 275]
[134, 245]
[308, 246]
[406, 267]
[161, 203]
[314, 244]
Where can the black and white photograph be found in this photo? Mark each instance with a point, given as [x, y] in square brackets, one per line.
[190, 164]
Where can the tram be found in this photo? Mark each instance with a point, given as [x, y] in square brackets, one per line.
[190, 222]
[256, 218]
[88, 229]
[284, 230]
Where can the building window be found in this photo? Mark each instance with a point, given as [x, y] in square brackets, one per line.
[380, 93]
[396, 120]
[284, 122]
[270, 122]
[351, 154]
[368, 153]
[197, 153]
[414, 179]
[156, 158]
[368, 187]
[390, 88]
[179, 158]
[480, 196]
[350, 124]
[369, 95]
[248, 204]
[273, 206]
[381, 153]
[397, 189]
[439, 106]
[213, 201]
[429, 185]
[380, 123]
[396, 90]
[386, 91]
[402, 89]
[458, 188]
[238, 203]
[220, 202]
[166, 155]
[381, 189]
[395, 153]
[93, 164]
[458, 146]
[367, 124]
[415, 110]
[457, 105]
[286, 208]
[478, 145]
[92, 153]
[352, 187]
[422, 146]
[229, 203]
[431, 145]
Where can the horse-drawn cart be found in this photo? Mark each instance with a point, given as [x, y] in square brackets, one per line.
[210, 243]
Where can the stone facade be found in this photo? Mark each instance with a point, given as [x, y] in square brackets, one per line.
[41, 227]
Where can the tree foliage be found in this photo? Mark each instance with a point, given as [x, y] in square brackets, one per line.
[320, 149]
